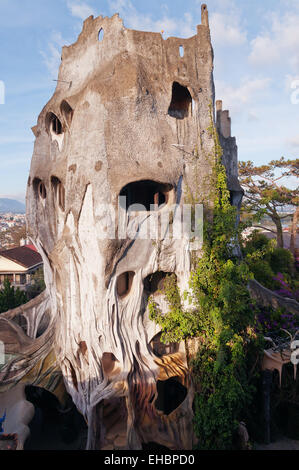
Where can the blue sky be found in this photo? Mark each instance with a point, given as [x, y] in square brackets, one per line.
[256, 48]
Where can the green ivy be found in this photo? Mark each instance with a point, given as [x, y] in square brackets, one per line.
[221, 316]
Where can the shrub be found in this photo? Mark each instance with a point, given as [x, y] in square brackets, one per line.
[281, 260]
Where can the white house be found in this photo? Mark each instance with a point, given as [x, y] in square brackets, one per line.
[18, 264]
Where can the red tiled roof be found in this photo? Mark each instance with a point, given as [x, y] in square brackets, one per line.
[32, 247]
[23, 255]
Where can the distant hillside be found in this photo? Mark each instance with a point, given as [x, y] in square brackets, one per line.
[11, 205]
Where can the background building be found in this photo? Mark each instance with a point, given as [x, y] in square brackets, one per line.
[18, 265]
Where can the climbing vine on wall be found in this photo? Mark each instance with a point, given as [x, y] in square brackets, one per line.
[221, 316]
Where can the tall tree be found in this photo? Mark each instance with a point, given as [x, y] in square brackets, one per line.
[265, 193]
[291, 168]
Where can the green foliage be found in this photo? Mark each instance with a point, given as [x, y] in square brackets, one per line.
[10, 297]
[222, 317]
[256, 242]
[265, 260]
[281, 261]
[178, 324]
[221, 368]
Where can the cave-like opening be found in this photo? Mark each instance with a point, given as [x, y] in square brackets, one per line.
[181, 101]
[171, 394]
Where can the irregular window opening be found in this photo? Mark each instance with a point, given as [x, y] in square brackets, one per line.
[53, 124]
[160, 349]
[67, 111]
[51, 427]
[101, 34]
[74, 377]
[43, 324]
[124, 283]
[181, 101]
[42, 190]
[171, 394]
[21, 321]
[83, 347]
[59, 192]
[182, 51]
[109, 362]
[39, 188]
[145, 193]
[155, 282]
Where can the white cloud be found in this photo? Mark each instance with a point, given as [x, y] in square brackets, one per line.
[80, 9]
[52, 57]
[226, 29]
[279, 45]
[182, 27]
[236, 98]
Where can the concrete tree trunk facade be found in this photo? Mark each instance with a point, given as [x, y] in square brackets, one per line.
[130, 117]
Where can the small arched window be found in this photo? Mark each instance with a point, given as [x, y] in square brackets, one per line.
[145, 194]
[59, 192]
[124, 283]
[53, 124]
[67, 112]
[39, 189]
[101, 35]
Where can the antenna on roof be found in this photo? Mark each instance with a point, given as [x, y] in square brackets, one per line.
[64, 81]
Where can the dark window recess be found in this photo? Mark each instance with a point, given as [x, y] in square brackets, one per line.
[59, 191]
[171, 394]
[54, 428]
[54, 124]
[42, 190]
[144, 193]
[43, 325]
[124, 283]
[67, 111]
[108, 362]
[155, 282]
[181, 101]
[21, 321]
[74, 377]
[160, 349]
[39, 188]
